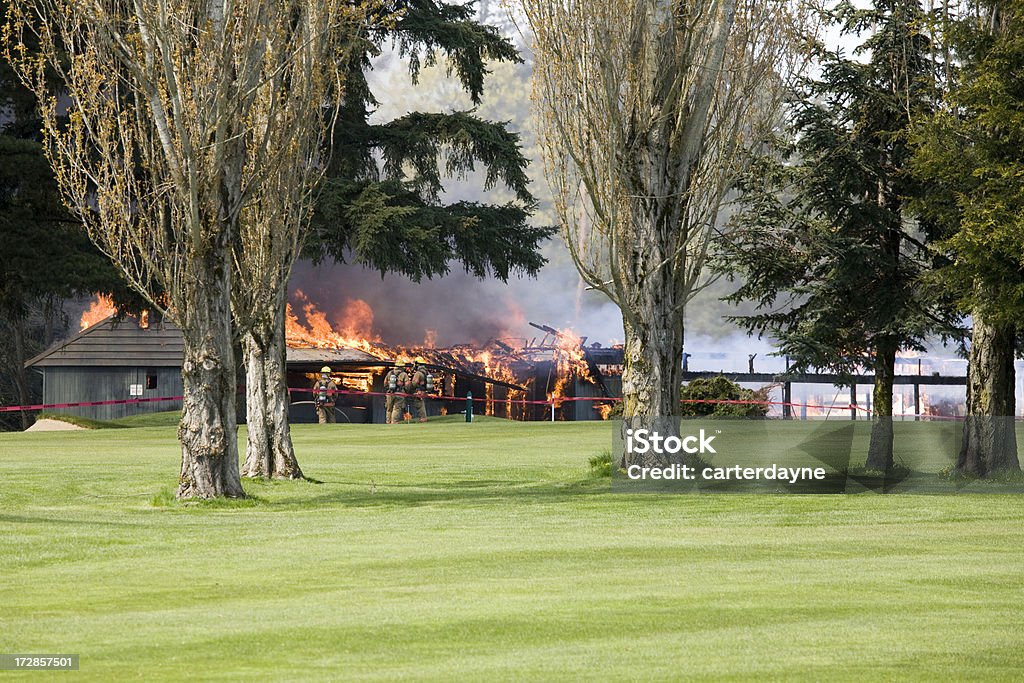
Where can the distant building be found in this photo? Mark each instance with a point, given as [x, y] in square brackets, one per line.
[113, 360]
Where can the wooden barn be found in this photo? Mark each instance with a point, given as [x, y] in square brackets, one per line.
[121, 359]
[113, 360]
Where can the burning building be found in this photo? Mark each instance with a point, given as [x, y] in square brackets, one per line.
[536, 378]
[112, 361]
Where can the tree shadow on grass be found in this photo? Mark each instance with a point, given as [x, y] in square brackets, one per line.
[367, 494]
[50, 521]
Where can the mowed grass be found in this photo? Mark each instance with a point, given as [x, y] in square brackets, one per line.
[449, 551]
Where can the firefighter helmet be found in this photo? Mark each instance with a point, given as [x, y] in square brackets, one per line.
[325, 369]
[420, 360]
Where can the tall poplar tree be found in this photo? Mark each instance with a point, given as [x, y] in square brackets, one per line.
[173, 114]
[644, 107]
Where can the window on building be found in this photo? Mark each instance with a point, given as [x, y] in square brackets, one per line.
[151, 381]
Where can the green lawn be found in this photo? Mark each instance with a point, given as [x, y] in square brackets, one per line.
[487, 551]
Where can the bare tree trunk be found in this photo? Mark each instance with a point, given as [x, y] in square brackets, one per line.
[652, 374]
[990, 441]
[269, 451]
[20, 374]
[208, 431]
[880, 456]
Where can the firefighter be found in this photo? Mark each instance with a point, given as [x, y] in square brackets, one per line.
[323, 396]
[403, 382]
[391, 388]
[421, 383]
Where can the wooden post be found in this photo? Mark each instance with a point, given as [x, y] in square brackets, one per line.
[853, 401]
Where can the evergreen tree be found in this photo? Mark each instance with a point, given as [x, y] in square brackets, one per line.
[972, 157]
[45, 254]
[824, 242]
[382, 205]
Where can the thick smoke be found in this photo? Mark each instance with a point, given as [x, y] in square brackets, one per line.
[459, 308]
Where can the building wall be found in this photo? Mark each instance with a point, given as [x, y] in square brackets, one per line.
[81, 384]
[584, 410]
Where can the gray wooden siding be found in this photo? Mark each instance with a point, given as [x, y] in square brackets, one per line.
[78, 384]
[584, 410]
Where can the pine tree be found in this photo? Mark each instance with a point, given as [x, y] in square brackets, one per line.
[972, 157]
[825, 243]
[381, 205]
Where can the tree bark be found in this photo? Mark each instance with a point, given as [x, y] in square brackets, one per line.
[652, 374]
[20, 374]
[880, 456]
[989, 443]
[208, 431]
[269, 450]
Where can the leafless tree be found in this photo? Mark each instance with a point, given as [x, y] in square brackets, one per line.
[172, 120]
[271, 232]
[644, 108]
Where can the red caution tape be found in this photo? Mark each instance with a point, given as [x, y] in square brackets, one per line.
[561, 399]
[555, 401]
[48, 406]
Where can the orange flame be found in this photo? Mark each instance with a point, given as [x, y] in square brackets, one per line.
[499, 361]
[101, 308]
[356, 329]
[570, 362]
[358, 319]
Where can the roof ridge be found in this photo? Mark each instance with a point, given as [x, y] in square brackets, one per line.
[108, 324]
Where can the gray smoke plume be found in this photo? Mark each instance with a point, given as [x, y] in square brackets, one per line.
[459, 308]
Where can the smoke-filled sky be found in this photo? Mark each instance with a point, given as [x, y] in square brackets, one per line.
[460, 308]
